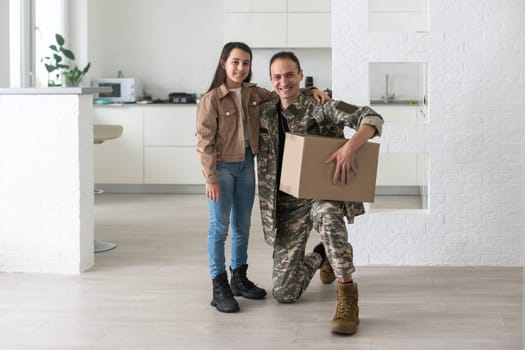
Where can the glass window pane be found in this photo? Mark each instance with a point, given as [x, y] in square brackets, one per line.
[48, 22]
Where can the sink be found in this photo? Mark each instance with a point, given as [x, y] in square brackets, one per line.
[103, 132]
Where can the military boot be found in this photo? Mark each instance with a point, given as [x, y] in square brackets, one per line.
[242, 286]
[326, 273]
[346, 316]
[223, 299]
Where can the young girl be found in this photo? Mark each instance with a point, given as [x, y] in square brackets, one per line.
[227, 140]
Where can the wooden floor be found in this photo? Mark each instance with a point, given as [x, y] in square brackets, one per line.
[153, 293]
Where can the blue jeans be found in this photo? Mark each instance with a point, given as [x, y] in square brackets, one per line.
[237, 192]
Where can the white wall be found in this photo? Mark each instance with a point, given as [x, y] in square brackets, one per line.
[173, 45]
[4, 43]
[475, 137]
[77, 27]
[398, 15]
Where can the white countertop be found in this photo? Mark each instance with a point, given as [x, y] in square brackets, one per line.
[55, 91]
[99, 105]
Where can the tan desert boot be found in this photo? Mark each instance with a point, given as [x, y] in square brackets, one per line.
[346, 316]
[326, 273]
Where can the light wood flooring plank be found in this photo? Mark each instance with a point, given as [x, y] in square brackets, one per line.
[153, 293]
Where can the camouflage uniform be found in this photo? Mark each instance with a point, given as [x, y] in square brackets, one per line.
[287, 221]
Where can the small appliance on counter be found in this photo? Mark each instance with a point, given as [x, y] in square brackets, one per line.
[181, 97]
[125, 90]
[308, 82]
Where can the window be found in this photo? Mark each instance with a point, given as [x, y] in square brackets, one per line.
[33, 24]
[48, 22]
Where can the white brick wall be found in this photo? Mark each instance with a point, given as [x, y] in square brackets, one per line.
[46, 183]
[475, 51]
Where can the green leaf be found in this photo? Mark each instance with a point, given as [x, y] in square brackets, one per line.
[53, 47]
[86, 68]
[68, 53]
[60, 39]
[50, 68]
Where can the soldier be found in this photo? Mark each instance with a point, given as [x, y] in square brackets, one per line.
[287, 221]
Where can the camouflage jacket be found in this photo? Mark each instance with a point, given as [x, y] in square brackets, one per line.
[306, 116]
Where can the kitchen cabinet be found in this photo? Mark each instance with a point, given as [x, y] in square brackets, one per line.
[309, 6]
[258, 30]
[120, 160]
[397, 169]
[169, 145]
[403, 172]
[422, 169]
[157, 146]
[398, 15]
[309, 29]
[302, 24]
[254, 6]
[401, 169]
[172, 165]
[277, 6]
[169, 125]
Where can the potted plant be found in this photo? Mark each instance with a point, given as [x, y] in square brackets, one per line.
[55, 65]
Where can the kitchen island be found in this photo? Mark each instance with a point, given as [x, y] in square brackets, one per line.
[46, 181]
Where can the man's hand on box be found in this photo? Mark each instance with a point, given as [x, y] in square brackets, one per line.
[345, 164]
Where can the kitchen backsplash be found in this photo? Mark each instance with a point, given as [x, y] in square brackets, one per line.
[400, 81]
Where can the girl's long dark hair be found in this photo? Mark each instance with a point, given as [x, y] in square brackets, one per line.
[220, 72]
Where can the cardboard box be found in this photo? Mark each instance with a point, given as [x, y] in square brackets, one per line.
[304, 174]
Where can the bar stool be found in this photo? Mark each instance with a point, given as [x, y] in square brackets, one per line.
[102, 133]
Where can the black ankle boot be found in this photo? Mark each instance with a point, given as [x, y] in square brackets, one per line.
[223, 299]
[242, 286]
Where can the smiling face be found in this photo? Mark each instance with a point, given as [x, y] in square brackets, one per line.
[286, 76]
[237, 67]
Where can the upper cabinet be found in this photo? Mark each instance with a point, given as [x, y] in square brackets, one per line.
[398, 15]
[308, 5]
[309, 29]
[256, 29]
[278, 23]
[254, 6]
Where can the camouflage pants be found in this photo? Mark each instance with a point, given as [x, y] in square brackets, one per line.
[293, 268]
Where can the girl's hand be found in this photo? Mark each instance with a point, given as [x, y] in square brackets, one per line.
[213, 191]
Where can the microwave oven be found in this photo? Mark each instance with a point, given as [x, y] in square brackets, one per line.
[124, 90]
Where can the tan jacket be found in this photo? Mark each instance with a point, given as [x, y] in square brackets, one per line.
[220, 135]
